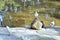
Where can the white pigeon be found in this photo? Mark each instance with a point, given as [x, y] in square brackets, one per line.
[36, 14]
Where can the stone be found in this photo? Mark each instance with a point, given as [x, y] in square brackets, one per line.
[36, 24]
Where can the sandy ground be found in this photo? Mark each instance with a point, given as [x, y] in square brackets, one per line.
[27, 34]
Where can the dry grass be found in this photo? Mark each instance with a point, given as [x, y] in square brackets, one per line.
[25, 18]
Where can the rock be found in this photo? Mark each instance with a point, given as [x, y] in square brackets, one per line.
[36, 24]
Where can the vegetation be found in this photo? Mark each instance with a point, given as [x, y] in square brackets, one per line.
[25, 15]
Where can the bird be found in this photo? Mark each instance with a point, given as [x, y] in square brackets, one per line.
[36, 14]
